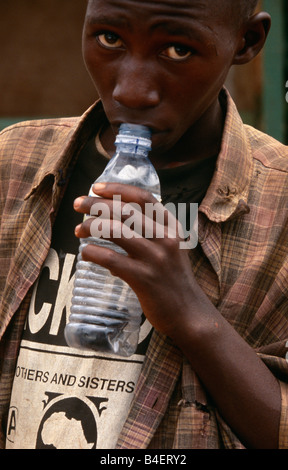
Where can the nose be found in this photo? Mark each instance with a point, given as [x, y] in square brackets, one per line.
[136, 87]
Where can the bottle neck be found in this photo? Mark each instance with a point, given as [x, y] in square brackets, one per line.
[132, 149]
[133, 144]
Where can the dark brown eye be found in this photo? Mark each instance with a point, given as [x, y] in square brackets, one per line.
[109, 40]
[177, 52]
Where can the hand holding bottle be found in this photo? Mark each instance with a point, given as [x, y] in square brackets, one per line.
[156, 268]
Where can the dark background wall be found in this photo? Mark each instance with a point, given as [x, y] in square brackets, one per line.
[42, 73]
[41, 67]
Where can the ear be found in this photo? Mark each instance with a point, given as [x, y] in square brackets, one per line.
[253, 37]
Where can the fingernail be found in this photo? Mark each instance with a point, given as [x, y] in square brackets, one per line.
[77, 202]
[77, 229]
[99, 186]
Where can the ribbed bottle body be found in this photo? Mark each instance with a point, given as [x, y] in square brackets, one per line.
[105, 315]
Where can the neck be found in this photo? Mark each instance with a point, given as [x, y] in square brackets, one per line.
[201, 141]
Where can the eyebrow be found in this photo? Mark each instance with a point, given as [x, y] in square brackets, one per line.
[107, 20]
[175, 29]
[189, 31]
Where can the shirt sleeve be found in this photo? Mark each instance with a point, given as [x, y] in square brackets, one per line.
[278, 365]
[283, 429]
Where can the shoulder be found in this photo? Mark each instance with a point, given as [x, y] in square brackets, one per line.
[36, 129]
[267, 151]
[27, 136]
[27, 146]
[41, 123]
[269, 177]
[40, 138]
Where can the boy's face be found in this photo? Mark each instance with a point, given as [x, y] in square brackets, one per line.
[159, 63]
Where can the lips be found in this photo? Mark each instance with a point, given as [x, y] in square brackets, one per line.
[155, 131]
[154, 127]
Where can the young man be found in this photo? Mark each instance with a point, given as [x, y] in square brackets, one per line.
[212, 373]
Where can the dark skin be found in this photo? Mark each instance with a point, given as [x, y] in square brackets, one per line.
[163, 66]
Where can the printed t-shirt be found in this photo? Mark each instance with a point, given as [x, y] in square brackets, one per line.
[64, 397]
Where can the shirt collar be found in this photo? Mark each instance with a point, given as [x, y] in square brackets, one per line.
[60, 156]
[227, 194]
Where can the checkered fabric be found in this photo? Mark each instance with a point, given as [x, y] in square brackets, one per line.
[240, 262]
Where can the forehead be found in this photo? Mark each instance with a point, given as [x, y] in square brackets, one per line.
[196, 9]
[207, 16]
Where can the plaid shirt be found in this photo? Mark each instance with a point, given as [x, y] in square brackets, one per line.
[240, 263]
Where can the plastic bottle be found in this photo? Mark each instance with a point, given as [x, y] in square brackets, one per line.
[106, 314]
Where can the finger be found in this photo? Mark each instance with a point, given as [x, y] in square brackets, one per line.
[118, 264]
[115, 231]
[142, 217]
[108, 209]
[83, 204]
[114, 191]
[155, 222]
[133, 242]
[128, 193]
[145, 202]
[150, 225]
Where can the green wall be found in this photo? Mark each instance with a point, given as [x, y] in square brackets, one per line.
[275, 72]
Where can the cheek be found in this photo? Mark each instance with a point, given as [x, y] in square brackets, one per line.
[95, 67]
[87, 52]
[201, 87]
